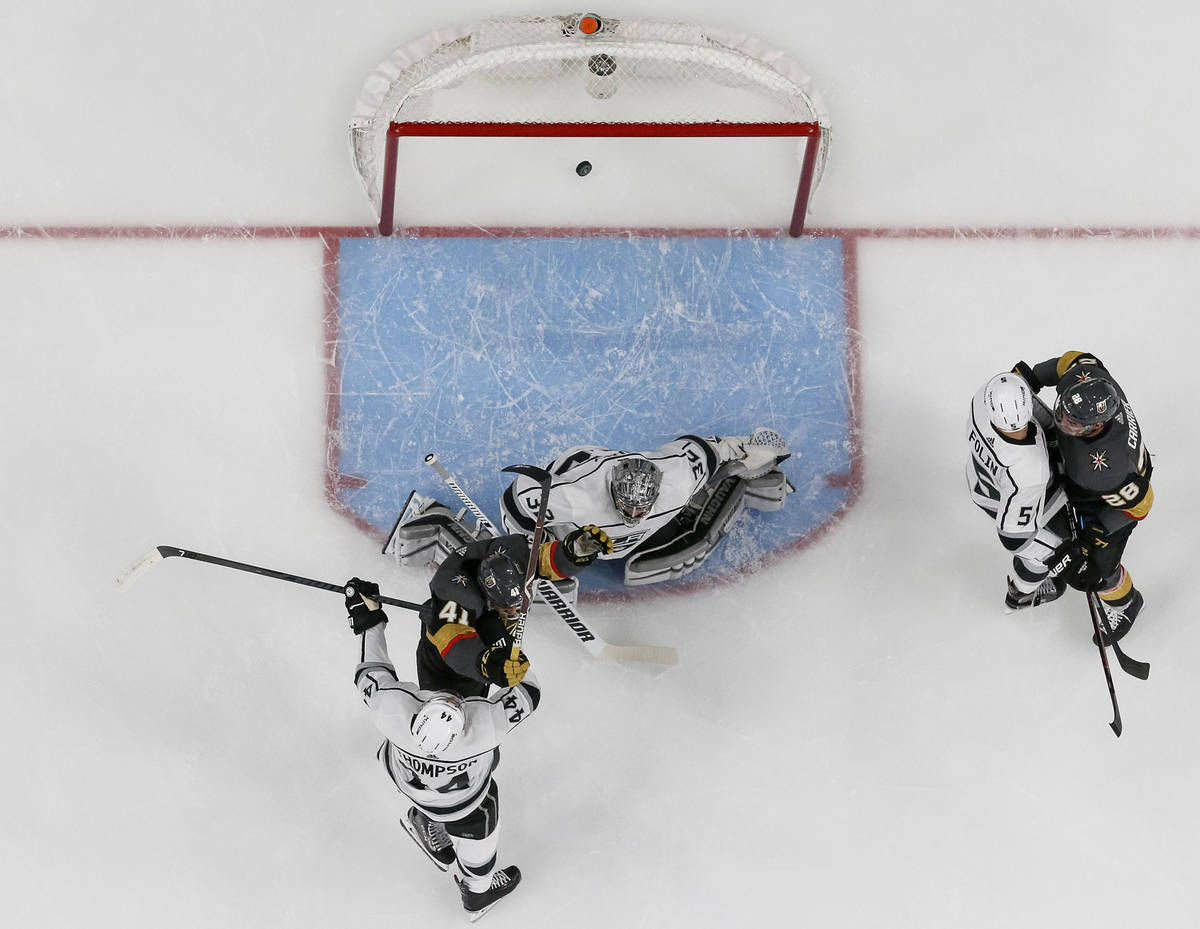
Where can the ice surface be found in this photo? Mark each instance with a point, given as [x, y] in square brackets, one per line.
[858, 738]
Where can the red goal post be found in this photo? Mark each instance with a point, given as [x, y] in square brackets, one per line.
[585, 77]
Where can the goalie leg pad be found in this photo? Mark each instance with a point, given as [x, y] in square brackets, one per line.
[768, 492]
[428, 534]
[688, 551]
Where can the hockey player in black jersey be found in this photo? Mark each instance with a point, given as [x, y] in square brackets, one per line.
[1106, 470]
[475, 596]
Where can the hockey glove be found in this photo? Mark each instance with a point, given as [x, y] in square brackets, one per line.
[1072, 565]
[584, 545]
[1026, 372]
[498, 666]
[364, 611]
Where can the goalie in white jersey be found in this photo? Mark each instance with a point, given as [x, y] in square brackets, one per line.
[666, 510]
[1010, 477]
[440, 752]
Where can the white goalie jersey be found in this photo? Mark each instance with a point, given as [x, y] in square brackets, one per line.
[449, 787]
[579, 492]
[1011, 479]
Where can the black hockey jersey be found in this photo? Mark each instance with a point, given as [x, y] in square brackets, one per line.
[1106, 475]
[457, 619]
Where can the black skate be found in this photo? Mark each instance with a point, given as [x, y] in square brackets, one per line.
[431, 836]
[1049, 590]
[504, 882]
[1116, 620]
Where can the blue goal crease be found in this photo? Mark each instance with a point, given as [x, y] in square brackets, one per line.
[499, 351]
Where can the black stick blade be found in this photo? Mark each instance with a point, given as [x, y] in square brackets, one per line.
[541, 475]
[1131, 666]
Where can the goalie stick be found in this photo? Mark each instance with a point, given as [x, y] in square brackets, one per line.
[130, 575]
[605, 651]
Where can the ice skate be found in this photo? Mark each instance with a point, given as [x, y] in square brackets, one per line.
[431, 836]
[1049, 590]
[476, 903]
[1117, 618]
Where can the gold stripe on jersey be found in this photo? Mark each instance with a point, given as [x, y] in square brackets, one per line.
[1143, 507]
[449, 635]
[1068, 359]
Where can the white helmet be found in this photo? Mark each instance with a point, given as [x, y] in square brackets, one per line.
[1009, 402]
[439, 723]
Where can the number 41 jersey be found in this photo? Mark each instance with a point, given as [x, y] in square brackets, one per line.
[1009, 478]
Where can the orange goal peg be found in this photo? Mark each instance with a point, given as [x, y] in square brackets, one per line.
[589, 24]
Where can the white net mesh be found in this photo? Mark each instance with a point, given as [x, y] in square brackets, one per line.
[550, 69]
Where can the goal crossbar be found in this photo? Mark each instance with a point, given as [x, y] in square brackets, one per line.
[629, 130]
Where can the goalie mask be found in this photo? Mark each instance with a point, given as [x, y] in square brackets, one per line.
[1009, 402]
[1086, 405]
[634, 484]
[439, 724]
[502, 581]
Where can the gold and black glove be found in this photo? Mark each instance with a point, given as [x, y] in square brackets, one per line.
[503, 664]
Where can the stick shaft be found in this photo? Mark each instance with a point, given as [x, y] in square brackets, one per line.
[168, 551]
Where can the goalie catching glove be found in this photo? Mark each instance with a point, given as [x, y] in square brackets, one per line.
[498, 666]
[364, 611]
[584, 545]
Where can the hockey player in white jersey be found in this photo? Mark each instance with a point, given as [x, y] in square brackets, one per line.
[665, 510]
[1010, 477]
[440, 752]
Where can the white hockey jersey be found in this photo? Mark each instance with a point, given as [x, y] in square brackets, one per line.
[579, 492]
[450, 787]
[1011, 479]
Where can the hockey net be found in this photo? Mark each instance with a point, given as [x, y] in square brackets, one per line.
[662, 109]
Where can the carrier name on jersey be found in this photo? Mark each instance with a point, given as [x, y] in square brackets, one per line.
[984, 453]
[1134, 434]
[434, 770]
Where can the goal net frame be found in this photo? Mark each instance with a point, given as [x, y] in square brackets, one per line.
[401, 98]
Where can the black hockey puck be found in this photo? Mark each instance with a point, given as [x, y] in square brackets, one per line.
[584, 168]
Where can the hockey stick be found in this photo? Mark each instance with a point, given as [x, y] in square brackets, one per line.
[542, 476]
[1112, 690]
[1131, 666]
[157, 554]
[1101, 639]
[651, 654]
